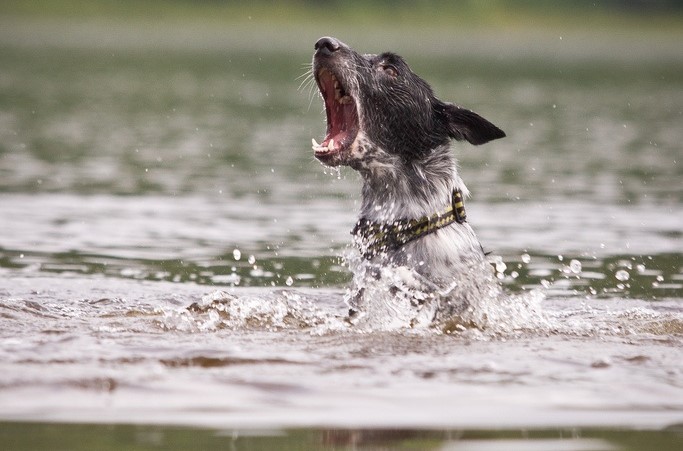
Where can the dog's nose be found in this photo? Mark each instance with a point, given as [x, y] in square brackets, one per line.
[327, 45]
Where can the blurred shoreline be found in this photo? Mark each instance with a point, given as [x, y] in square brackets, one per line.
[553, 45]
[617, 31]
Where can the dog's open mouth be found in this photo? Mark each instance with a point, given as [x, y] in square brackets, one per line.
[342, 119]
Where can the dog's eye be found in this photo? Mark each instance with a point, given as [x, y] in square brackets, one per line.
[389, 70]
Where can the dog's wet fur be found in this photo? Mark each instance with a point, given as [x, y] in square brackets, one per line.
[385, 122]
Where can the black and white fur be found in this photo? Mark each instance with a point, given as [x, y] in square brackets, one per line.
[385, 122]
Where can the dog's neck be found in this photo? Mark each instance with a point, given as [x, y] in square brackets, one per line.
[396, 189]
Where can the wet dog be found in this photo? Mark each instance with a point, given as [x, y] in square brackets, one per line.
[385, 122]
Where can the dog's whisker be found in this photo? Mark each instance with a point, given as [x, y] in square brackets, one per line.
[308, 84]
[304, 82]
[305, 75]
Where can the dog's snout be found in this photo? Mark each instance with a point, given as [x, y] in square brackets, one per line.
[327, 45]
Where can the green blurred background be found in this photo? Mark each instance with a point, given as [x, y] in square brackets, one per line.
[421, 12]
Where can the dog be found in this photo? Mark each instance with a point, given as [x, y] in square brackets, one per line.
[414, 241]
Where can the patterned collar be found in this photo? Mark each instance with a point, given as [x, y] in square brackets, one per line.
[373, 238]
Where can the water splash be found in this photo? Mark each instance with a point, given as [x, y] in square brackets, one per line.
[393, 298]
[508, 298]
[277, 310]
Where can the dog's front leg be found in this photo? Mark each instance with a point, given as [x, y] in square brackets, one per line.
[381, 293]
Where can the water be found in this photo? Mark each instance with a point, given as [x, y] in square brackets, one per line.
[144, 172]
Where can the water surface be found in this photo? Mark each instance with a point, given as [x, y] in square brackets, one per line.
[140, 175]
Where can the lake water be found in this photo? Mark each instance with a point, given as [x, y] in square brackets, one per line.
[144, 170]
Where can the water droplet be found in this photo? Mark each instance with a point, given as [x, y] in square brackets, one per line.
[236, 254]
[289, 282]
[500, 265]
[575, 266]
[526, 258]
[251, 260]
[622, 275]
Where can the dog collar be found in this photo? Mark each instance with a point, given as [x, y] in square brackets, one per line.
[374, 238]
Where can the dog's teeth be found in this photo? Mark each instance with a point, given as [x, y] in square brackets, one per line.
[320, 148]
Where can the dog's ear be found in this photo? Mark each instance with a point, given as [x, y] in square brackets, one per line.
[462, 124]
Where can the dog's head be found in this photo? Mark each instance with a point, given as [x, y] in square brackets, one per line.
[376, 105]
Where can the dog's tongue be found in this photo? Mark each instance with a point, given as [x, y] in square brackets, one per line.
[341, 115]
[341, 118]
[342, 121]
